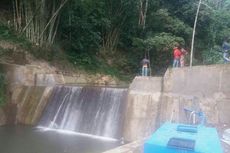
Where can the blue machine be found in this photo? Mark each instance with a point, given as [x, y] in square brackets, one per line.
[181, 138]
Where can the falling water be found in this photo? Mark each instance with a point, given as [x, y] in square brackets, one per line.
[91, 110]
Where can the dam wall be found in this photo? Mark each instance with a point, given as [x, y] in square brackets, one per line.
[29, 88]
[142, 107]
[155, 100]
[151, 101]
[34, 75]
[205, 88]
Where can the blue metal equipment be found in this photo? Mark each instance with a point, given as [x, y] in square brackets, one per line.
[182, 138]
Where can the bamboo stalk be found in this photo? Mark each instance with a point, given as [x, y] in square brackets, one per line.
[17, 14]
[31, 19]
[145, 13]
[51, 19]
[14, 12]
[20, 15]
[55, 31]
[140, 13]
[52, 24]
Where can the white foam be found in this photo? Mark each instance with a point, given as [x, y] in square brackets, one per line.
[76, 133]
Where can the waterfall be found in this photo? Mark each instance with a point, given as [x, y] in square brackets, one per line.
[90, 110]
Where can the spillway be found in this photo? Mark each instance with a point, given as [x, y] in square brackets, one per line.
[90, 110]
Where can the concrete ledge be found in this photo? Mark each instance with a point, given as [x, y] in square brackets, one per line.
[33, 75]
[133, 147]
[147, 85]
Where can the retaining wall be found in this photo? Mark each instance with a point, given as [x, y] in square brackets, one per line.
[142, 107]
[200, 87]
[153, 101]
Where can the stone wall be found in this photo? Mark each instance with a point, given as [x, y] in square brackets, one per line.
[200, 87]
[30, 102]
[30, 75]
[26, 105]
[33, 75]
[142, 107]
[152, 101]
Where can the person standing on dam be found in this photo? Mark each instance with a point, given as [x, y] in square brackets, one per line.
[182, 58]
[177, 55]
[145, 67]
[226, 49]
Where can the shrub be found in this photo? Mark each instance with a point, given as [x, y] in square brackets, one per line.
[212, 56]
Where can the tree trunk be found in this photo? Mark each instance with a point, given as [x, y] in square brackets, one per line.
[52, 18]
[194, 31]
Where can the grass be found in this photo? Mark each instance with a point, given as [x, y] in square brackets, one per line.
[92, 65]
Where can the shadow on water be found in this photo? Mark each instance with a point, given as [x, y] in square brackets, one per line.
[24, 139]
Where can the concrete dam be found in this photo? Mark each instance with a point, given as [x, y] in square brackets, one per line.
[130, 114]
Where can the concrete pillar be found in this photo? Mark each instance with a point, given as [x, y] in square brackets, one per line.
[142, 107]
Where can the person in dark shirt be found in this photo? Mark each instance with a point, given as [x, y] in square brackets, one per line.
[145, 66]
[226, 49]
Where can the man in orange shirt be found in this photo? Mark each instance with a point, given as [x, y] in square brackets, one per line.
[177, 55]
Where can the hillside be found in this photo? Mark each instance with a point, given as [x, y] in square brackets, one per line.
[109, 37]
[15, 49]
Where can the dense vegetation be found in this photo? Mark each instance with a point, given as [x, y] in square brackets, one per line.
[112, 36]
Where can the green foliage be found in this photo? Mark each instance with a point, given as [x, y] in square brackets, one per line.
[164, 22]
[81, 32]
[82, 24]
[221, 25]
[213, 56]
[87, 28]
[2, 89]
[163, 42]
[90, 27]
[105, 36]
[160, 47]
[8, 34]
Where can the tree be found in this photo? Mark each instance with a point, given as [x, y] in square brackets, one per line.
[93, 32]
[39, 20]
